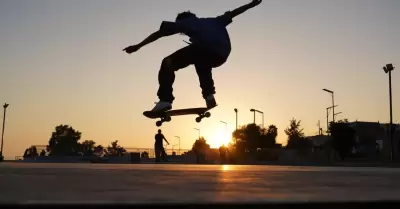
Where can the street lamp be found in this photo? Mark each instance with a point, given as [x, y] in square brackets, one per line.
[327, 117]
[333, 103]
[179, 139]
[254, 110]
[236, 112]
[226, 125]
[198, 131]
[337, 113]
[2, 132]
[388, 69]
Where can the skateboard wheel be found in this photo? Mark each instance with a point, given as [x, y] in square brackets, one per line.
[207, 114]
[158, 123]
[168, 118]
[198, 119]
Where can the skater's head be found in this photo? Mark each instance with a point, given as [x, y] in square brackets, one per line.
[184, 15]
[159, 131]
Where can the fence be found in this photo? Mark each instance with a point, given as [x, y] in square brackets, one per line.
[130, 149]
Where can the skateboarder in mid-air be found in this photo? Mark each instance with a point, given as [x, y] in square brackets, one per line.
[210, 48]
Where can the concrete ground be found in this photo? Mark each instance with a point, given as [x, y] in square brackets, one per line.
[163, 183]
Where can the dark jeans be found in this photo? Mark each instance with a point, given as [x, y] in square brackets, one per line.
[202, 60]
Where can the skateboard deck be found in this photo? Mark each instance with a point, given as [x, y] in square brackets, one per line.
[166, 116]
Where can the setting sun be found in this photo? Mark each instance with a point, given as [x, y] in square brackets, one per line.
[218, 139]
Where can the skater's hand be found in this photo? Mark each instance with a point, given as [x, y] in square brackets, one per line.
[255, 2]
[131, 49]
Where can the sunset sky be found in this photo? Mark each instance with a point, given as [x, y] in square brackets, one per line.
[61, 62]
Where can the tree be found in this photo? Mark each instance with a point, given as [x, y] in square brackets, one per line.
[43, 153]
[296, 137]
[64, 141]
[98, 150]
[115, 150]
[343, 137]
[200, 146]
[248, 137]
[251, 137]
[31, 152]
[270, 136]
[87, 147]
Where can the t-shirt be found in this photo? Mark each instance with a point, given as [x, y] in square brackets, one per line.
[209, 33]
[159, 139]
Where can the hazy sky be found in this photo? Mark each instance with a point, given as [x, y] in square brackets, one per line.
[61, 62]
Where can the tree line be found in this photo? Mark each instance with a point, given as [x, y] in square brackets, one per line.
[247, 140]
[255, 141]
[65, 141]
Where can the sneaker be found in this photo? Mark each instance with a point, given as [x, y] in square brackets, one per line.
[210, 101]
[162, 106]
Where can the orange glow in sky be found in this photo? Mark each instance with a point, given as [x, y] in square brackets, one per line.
[61, 62]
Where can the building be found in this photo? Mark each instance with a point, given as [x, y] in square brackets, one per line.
[372, 139]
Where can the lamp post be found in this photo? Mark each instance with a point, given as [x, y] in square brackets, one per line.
[333, 102]
[337, 114]
[226, 125]
[254, 110]
[198, 131]
[179, 141]
[236, 112]
[4, 125]
[327, 116]
[388, 69]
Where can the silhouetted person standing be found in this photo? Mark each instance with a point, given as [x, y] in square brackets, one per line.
[159, 147]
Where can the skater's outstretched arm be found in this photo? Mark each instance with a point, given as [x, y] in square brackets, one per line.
[166, 29]
[243, 8]
[151, 38]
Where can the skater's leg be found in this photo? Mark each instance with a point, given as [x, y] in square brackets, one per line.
[204, 73]
[166, 76]
[204, 64]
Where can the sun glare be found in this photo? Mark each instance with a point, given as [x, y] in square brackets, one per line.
[218, 139]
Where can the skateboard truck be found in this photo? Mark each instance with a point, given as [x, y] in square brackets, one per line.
[163, 119]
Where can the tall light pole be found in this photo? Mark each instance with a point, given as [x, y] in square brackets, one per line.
[179, 141]
[236, 112]
[254, 110]
[388, 69]
[333, 102]
[198, 131]
[2, 132]
[226, 125]
[327, 117]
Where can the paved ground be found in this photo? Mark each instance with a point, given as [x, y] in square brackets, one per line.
[30, 183]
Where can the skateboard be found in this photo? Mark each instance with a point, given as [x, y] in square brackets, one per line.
[202, 112]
